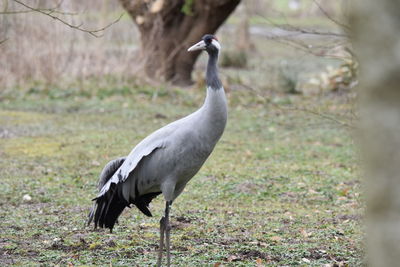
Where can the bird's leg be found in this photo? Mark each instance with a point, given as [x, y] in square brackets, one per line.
[167, 232]
[165, 228]
[161, 248]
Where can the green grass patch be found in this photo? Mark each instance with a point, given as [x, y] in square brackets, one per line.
[282, 187]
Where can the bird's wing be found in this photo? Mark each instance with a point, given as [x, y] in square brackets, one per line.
[108, 171]
[156, 140]
[143, 149]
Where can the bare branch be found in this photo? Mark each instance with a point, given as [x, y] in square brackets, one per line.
[324, 116]
[337, 39]
[344, 26]
[313, 112]
[292, 28]
[50, 12]
[15, 12]
[3, 41]
[288, 27]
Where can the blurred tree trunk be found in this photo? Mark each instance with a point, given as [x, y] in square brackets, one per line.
[169, 27]
[243, 43]
[376, 42]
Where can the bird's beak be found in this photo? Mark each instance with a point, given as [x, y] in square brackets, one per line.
[199, 46]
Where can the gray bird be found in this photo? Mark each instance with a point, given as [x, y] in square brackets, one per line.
[165, 161]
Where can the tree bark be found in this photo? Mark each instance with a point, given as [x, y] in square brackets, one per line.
[376, 38]
[167, 31]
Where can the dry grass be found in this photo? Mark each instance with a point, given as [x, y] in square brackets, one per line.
[39, 48]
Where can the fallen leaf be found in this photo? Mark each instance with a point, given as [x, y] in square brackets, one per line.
[94, 246]
[276, 238]
[233, 258]
[344, 192]
[263, 244]
[305, 234]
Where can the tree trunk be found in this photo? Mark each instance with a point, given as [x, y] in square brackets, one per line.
[243, 42]
[376, 38]
[169, 27]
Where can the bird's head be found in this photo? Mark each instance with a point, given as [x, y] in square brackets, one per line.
[209, 43]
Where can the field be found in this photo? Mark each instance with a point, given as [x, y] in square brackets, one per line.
[282, 187]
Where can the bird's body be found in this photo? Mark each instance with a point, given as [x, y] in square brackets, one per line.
[166, 160]
[184, 146]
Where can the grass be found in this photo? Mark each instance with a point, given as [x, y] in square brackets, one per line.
[281, 188]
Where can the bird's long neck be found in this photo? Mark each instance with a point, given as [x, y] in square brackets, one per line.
[212, 78]
[215, 107]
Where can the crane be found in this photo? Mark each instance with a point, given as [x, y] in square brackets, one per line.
[165, 161]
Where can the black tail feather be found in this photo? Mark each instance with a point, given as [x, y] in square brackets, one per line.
[108, 207]
[142, 202]
[91, 214]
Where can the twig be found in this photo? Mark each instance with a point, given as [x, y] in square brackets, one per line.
[13, 12]
[298, 44]
[342, 123]
[324, 116]
[288, 27]
[52, 10]
[344, 26]
[49, 12]
[292, 28]
[3, 41]
[315, 50]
